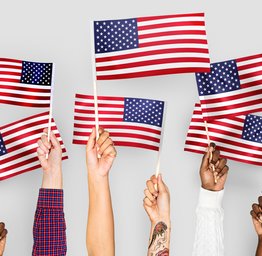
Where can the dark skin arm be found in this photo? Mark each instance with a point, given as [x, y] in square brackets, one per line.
[3, 233]
[256, 214]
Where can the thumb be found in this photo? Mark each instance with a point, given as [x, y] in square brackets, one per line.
[161, 185]
[210, 149]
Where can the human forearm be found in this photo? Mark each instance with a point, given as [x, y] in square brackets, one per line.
[159, 241]
[259, 246]
[100, 227]
[53, 180]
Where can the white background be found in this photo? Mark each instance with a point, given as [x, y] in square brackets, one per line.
[58, 31]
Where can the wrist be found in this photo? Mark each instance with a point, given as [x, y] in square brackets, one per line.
[52, 179]
[260, 238]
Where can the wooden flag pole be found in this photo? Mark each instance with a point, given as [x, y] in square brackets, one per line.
[92, 37]
[211, 154]
[51, 105]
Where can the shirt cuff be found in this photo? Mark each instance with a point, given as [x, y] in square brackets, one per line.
[50, 198]
[210, 199]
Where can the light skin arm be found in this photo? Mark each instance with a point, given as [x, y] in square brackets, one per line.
[157, 206]
[256, 214]
[100, 226]
[52, 167]
[3, 234]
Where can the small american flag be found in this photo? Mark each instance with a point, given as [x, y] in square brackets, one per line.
[232, 88]
[238, 138]
[131, 122]
[18, 145]
[25, 83]
[150, 46]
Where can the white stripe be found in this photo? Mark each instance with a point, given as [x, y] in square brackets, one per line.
[173, 28]
[153, 57]
[122, 139]
[26, 85]
[153, 67]
[120, 102]
[151, 48]
[9, 77]
[172, 37]
[247, 62]
[21, 92]
[10, 63]
[25, 100]
[114, 109]
[168, 20]
[250, 70]
[252, 79]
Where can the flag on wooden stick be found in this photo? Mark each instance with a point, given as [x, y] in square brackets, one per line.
[238, 138]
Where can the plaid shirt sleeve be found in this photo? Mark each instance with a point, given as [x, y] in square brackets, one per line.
[49, 224]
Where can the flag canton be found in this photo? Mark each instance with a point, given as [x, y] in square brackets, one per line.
[3, 150]
[115, 35]
[252, 130]
[144, 111]
[36, 73]
[222, 78]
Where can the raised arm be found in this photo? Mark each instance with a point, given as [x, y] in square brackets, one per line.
[49, 225]
[209, 237]
[157, 206]
[3, 234]
[100, 225]
[256, 214]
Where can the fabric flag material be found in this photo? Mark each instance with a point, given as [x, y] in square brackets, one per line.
[25, 83]
[232, 88]
[18, 145]
[132, 122]
[150, 46]
[238, 138]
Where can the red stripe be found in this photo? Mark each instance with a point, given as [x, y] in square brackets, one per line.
[21, 96]
[111, 126]
[101, 119]
[172, 24]
[24, 104]
[253, 74]
[175, 41]
[141, 19]
[250, 84]
[123, 144]
[233, 106]
[11, 80]
[26, 170]
[100, 105]
[25, 89]
[172, 33]
[91, 97]
[154, 73]
[100, 112]
[11, 67]
[248, 66]
[152, 62]
[219, 98]
[229, 125]
[252, 57]
[149, 53]
[25, 119]
[11, 60]
[9, 73]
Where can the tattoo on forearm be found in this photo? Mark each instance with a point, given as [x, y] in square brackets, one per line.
[159, 240]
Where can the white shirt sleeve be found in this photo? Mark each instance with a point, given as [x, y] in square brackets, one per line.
[209, 237]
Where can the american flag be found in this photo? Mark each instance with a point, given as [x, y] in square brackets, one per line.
[18, 145]
[238, 138]
[132, 122]
[150, 46]
[232, 88]
[25, 83]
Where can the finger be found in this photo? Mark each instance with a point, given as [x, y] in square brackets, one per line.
[147, 202]
[42, 157]
[91, 140]
[215, 157]
[44, 139]
[102, 138]
[161, 184]
[154, 179]
[256, 208]
[221, 163]
[55, 142]
[223, 172]
[2, 227]
[42, 146]
[151, 187]
[105, 145]
[206, 156]
[260, 202]
[110, 151]
[151, 197]
[3, 234]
